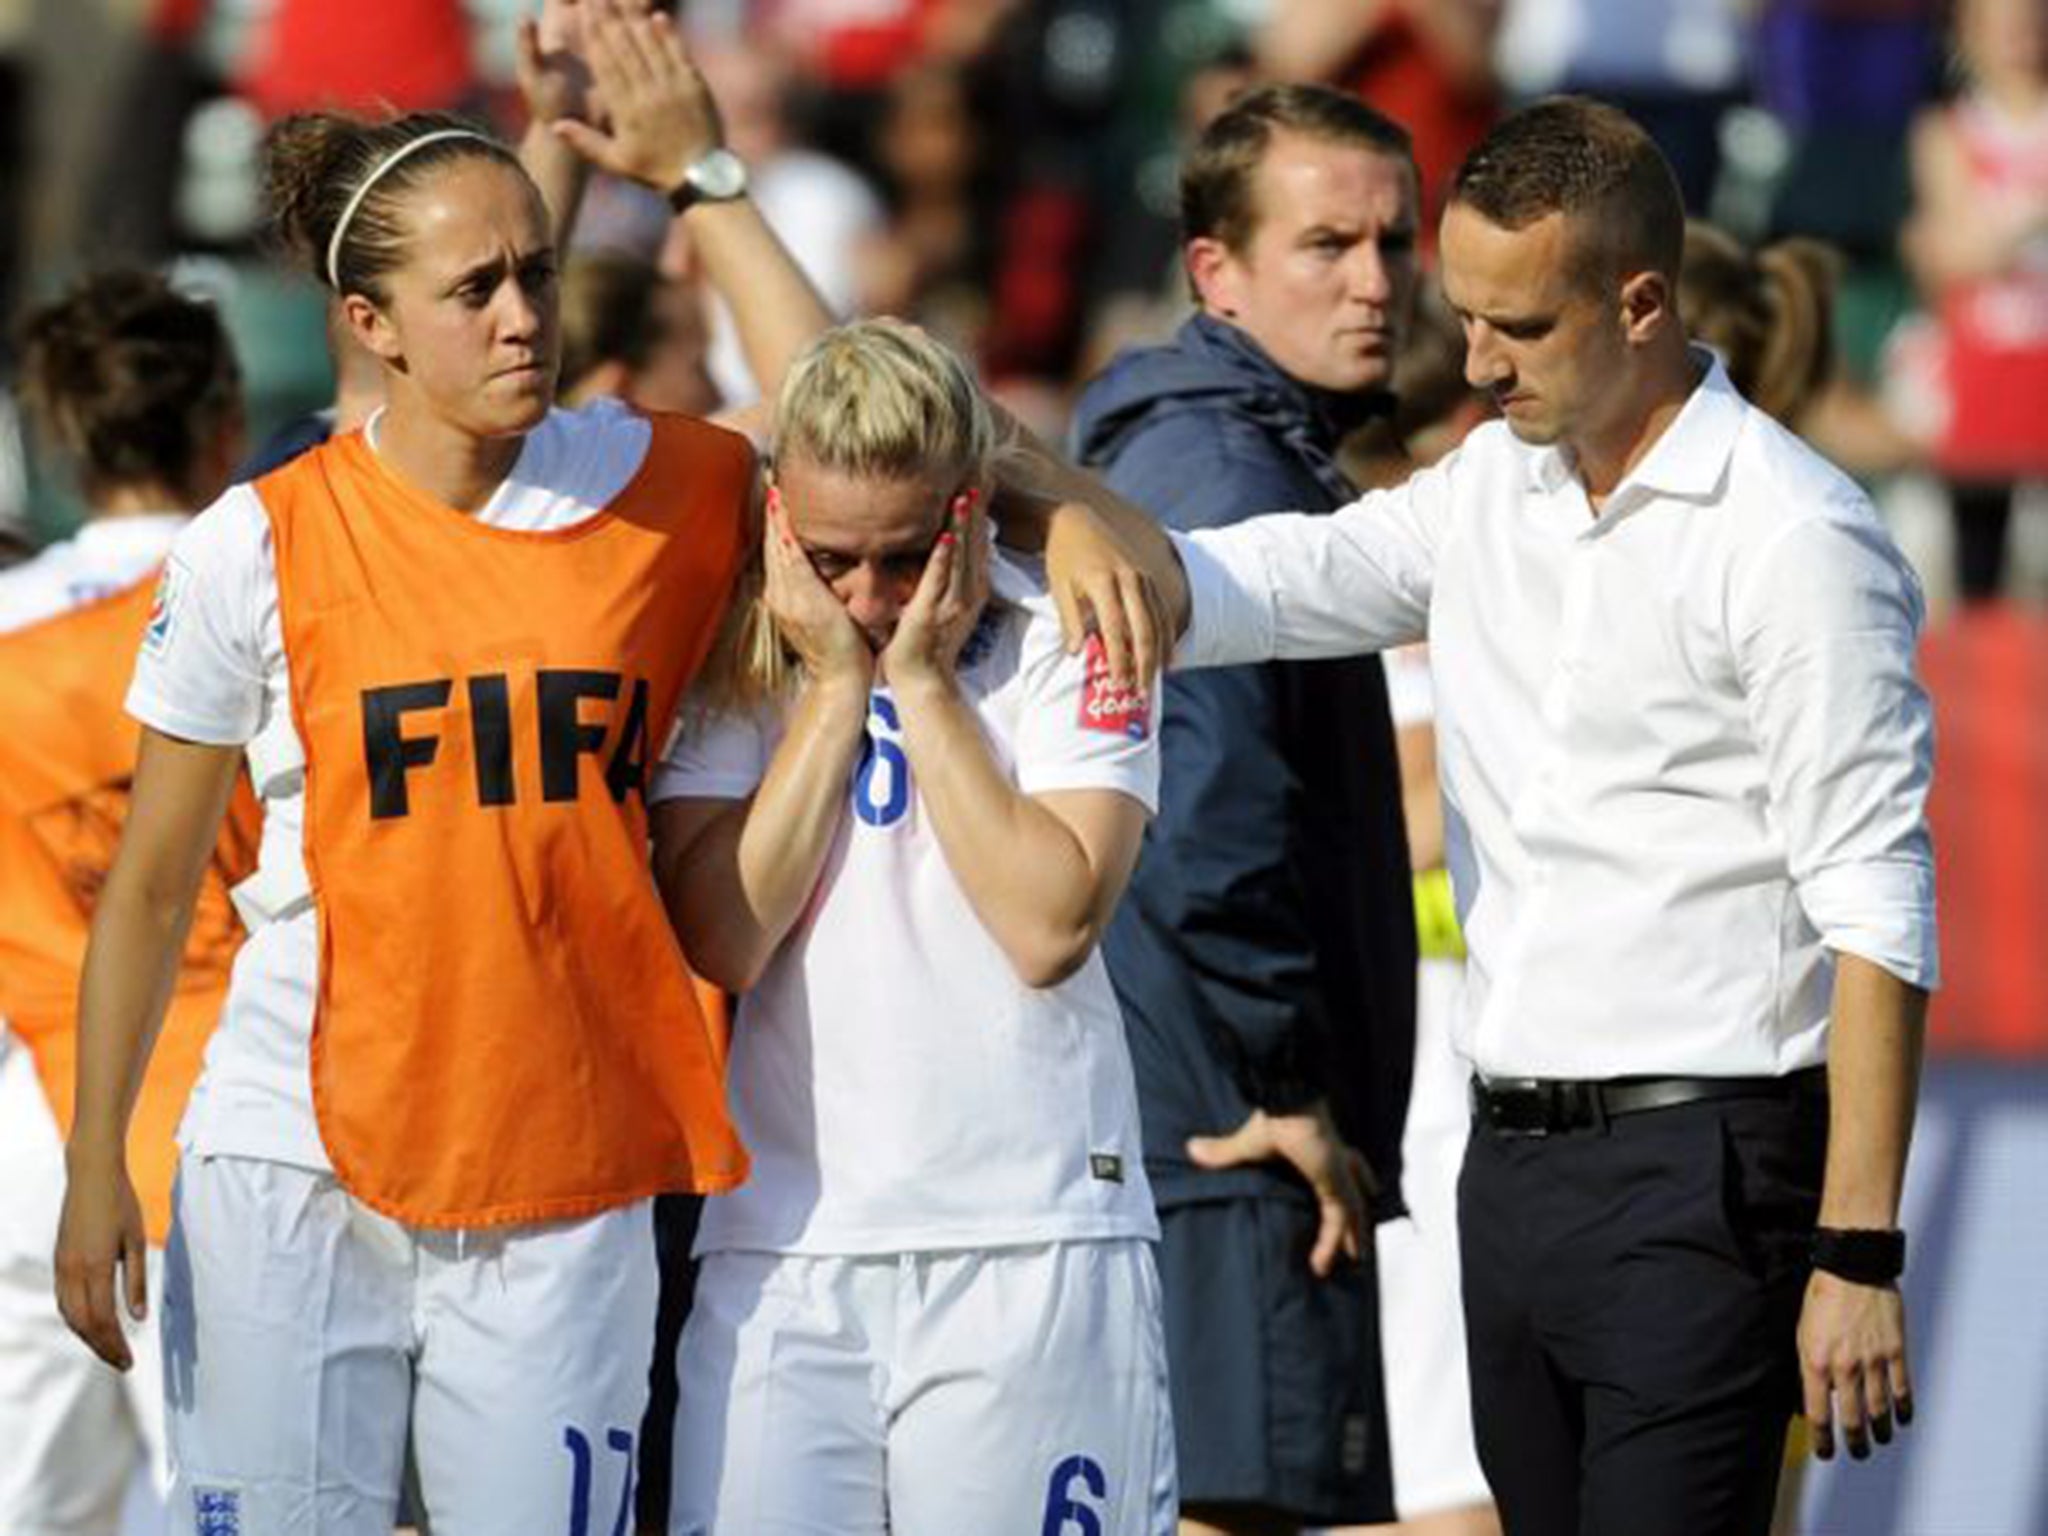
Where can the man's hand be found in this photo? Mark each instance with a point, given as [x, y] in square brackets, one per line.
[661, 115]
[943, 611]
[810, 619]
[1852, 1363]
[1338, 1174]
[1097, 586]
[99, 1234]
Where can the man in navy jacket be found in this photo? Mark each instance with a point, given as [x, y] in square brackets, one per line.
[1265, 952]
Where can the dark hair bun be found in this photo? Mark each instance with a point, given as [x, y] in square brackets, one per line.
[129, 377]
[304, 157]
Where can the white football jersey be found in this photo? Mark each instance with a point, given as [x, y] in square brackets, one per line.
[102, 558]
[899, 1088]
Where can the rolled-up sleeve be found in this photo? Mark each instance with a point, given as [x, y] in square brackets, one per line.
[1826, 630]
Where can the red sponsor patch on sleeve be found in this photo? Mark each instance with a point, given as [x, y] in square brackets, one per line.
[1107, 707]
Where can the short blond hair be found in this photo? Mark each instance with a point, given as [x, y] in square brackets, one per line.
[882, 399]
[878, 399]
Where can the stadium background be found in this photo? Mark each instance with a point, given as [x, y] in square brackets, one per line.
[1015, 157]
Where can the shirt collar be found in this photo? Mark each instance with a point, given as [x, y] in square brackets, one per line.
[1691, 458]
[1688, 460]
[131, 531]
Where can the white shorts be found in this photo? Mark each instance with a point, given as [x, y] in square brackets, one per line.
[1018, 1390]
[1422, 1315]
[74, 1433]
[302, 1331]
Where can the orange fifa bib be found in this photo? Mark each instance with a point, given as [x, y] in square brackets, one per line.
[67, 761]
[504, 1028]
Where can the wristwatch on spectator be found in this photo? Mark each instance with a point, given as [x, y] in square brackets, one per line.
[716, 176]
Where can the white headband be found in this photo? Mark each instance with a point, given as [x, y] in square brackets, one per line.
[349, 212]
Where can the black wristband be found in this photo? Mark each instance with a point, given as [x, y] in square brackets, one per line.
[1861, 1255]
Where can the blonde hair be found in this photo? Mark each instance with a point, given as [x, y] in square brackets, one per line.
[881, 399]
[875, 399]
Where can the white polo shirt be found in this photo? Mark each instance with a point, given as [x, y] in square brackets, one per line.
[1683, 747]
[898, 1087]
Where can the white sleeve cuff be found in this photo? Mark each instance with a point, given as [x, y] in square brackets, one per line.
[1134, 780]
[1881, 911]
[147, 706]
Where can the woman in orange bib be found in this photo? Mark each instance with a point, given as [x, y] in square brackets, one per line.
[135, 385]
[461, 1052]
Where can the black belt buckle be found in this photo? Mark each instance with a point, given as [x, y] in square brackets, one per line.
[1596, 1106]
[1534, 1106]
[1514, 1106]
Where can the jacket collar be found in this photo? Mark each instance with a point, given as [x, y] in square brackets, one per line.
[1331, 416]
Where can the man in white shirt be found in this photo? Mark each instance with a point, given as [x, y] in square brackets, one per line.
[932, 1308]
[1685, 760]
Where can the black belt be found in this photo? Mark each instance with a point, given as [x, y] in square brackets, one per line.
[1544, 1106]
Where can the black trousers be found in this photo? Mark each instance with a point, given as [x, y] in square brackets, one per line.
[1632, 1295]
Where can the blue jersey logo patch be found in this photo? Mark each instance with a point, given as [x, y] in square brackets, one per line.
[217, 1511]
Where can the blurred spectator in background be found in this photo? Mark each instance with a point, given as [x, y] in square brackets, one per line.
[855, 50]
[359, 55]
[16, 81]
[1770, 313]
[1427, 64]
[1145, 294]
[630, 333]
[1675, 66]
[1978, 245]
[1841, 79]
[820, 208]
[930, 263]
[358, 391]
[1766, 313]
[1011, 252]
[16, 542]
[196, 80]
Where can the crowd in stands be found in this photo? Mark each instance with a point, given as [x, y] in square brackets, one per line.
[1003, 171]
[1867, 182]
